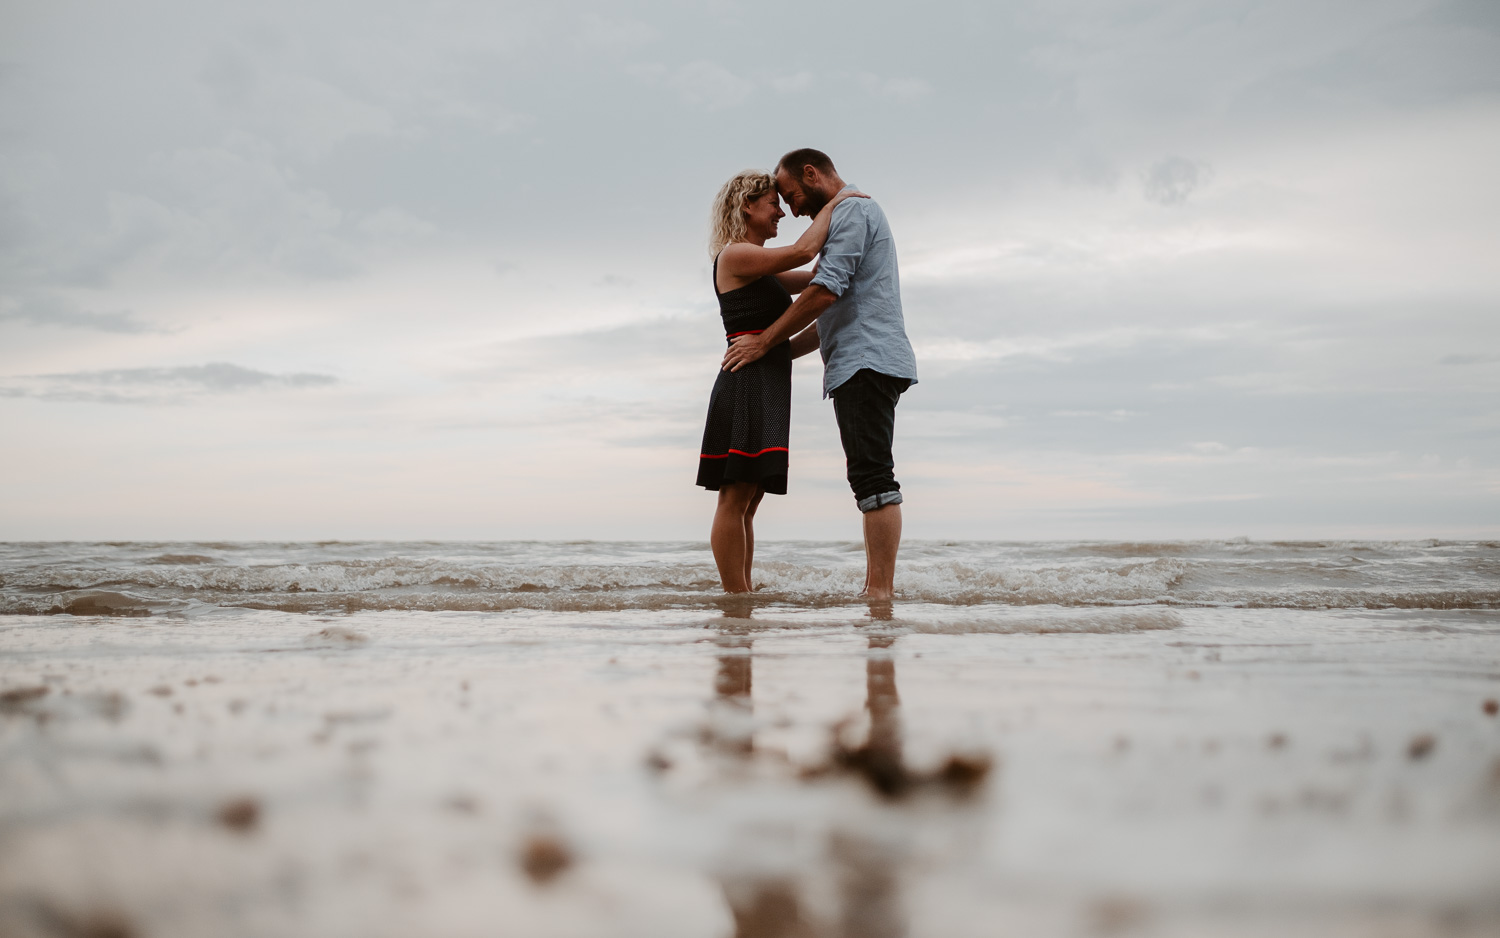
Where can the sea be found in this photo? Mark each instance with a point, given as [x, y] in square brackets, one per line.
[598, 577]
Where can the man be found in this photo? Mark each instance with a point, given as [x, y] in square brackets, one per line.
[853, 308]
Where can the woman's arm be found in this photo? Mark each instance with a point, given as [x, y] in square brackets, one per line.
[805, 341]
[795, 281]
[748, 262]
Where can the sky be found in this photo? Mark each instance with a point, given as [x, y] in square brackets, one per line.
[320, 269]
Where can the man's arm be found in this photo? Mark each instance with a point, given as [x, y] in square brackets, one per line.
[807, 308]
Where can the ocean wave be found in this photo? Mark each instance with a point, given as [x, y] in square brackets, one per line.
[159, 581]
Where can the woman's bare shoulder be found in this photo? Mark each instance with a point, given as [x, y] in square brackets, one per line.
[737, 254]
[739, 249]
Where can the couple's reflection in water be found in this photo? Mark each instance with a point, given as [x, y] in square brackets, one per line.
[858, 879]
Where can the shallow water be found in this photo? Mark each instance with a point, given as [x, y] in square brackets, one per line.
[601, 576]
[585, 739]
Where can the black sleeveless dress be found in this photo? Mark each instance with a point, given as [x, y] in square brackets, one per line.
[750, 411]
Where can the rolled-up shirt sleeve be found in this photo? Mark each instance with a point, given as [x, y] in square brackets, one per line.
[844, 249]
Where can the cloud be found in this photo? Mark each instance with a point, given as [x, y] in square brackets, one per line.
[900, 89]
[54, 311]
[1090, 171]
[706, 85]
[157, 385]
[13, 224]
[711, 86]
[290, 103]
[1460, 359]
[598, 32]
[1170, 181]
[230, 77]
[793, 84]
[1100, 414]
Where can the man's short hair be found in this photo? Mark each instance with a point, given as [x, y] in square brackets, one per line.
[807, 156]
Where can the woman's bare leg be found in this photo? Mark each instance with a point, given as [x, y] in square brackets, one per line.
[728, 536]
[750, 535]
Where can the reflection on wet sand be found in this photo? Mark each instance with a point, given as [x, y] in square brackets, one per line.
[880, 759]
[734, 712]
[869, 874]
[863, 871]
[763, 907]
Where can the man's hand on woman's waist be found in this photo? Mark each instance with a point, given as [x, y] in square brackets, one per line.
[808, 307]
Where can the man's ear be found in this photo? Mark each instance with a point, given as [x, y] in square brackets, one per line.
[811, 178]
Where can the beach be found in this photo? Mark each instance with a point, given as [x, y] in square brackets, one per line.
[537, 739]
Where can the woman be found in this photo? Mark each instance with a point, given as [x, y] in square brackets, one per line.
[744, 452]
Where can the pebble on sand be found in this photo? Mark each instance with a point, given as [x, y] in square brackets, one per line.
[544, 857]
[93, 924]
[1421, 746]
[17, 697]
[1114, 914]
[962, 775]
[1491, 707]
[241, 815]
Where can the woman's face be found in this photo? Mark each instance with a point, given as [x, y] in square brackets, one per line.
[762, 214]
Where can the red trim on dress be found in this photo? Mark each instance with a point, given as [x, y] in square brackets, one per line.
[740, 452]
[750, 332]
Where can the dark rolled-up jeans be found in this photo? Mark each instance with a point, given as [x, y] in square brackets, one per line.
[865, 407]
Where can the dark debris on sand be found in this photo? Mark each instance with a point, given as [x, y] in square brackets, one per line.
[57, 922]
[41, 705]
[15, 699]
[1112, 915]
[241, 815]
[1491, 707]
[767, 909]
[960, 776]
[1421, 747]
[544, 857]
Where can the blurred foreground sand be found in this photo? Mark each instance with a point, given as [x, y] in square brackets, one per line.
[816, 772]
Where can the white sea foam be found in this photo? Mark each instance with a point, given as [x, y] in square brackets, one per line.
[53, 578]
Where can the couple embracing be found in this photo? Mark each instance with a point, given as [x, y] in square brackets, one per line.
[848, 307]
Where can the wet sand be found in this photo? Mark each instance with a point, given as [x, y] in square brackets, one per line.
[757, 772]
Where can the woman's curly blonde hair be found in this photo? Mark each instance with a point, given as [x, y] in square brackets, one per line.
[727, 221]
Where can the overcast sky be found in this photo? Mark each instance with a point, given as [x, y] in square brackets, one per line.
[377, 269]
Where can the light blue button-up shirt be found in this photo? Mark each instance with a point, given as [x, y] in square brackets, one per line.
[864, 327]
